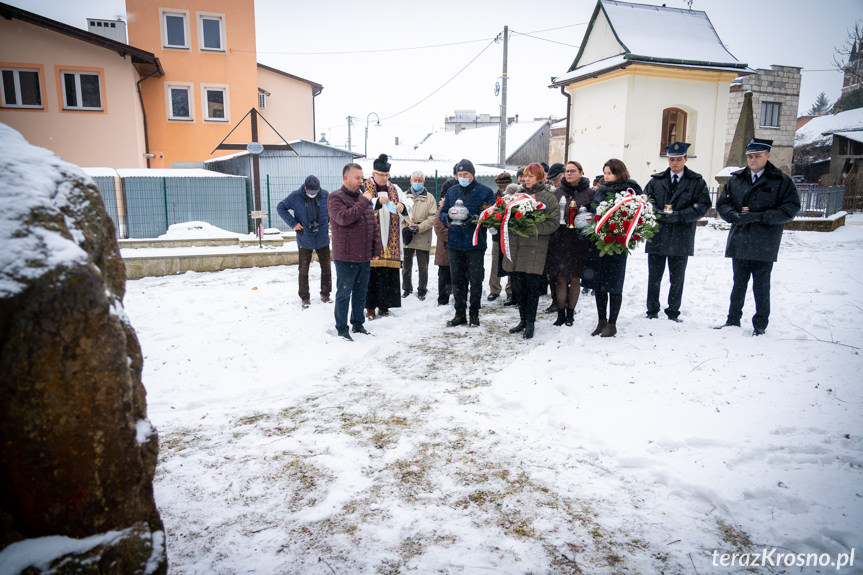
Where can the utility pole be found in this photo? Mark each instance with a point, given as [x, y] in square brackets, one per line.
[502, 152]
[350, 120]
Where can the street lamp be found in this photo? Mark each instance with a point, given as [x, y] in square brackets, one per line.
[369, 117]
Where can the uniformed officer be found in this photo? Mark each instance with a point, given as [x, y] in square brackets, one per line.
[681, 197]
[758, 201]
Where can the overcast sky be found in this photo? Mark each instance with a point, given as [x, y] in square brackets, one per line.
[365, 62]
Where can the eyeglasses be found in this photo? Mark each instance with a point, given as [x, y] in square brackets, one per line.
[571, 171]
[381, 174]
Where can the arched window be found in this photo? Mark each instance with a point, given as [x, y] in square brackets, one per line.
[673, 128]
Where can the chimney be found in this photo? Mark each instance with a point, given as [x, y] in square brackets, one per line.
[397, 140]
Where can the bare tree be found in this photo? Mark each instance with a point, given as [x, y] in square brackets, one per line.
[849, 56]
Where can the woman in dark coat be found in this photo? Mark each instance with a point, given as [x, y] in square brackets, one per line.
[567, 247]
[528, 253]
[605, 274]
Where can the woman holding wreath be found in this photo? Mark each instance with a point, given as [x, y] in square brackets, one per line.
[605, 274]
[528, 253]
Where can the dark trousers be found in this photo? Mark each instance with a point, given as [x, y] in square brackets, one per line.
[526, 289]
[326, 272]
[468, 270]
[422, 267]
[760, 273]
[676, 275]
[352, 281]
[444, 284]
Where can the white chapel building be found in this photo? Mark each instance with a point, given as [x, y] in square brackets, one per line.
[646, 76]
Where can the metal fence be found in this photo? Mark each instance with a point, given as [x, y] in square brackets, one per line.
[815, 201]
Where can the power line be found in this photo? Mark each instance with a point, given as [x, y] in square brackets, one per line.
[444, 84]
[544, 39]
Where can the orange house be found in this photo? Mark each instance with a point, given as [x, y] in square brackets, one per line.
[212, 80]
[207, 49]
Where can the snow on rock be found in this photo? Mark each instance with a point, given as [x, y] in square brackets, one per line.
[29, 179]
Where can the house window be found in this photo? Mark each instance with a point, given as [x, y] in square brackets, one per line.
[262, 99]
[673, 128]
[770, 114]
[81, 91]
[216, 103]
[180, 103]
[20, 88]
[175, 30]
[211, 32]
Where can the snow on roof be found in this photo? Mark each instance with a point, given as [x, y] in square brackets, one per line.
[170, 173]
[100, 172]
[694, 42]
[404, 168]
[694, 38]
[34, 179]
[856, 135]
[820, 128]
[479, 145]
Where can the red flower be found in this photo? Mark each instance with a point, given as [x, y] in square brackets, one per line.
[625, 215]
[609, 239]
[621, 239]
[636, 237]
[612, 226]
[498, 216]
[640, 221]
[626, 224]
[518, 214]
[499, 202]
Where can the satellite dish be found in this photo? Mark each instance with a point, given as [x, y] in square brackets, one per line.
[496, 88]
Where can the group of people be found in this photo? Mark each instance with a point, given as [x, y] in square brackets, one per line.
[378, 229]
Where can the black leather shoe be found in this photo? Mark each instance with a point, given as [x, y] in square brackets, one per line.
[344, 333]
[421, 296]
[456, 321]
[759, 331]
[727, 324]
[406, 294]
[509, 301]
[652, 315]
[675, 319]
[518, 328]
[474, 321]
[360, 329]
[528, 331]
[493, 296]
[552, 308]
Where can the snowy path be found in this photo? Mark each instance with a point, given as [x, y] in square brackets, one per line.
[455, 450]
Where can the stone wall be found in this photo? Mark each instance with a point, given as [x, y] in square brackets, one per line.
[778, 84]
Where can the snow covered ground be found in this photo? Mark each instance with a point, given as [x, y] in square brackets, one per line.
[427, 449]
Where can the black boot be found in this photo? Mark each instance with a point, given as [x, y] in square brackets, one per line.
[570, 317]
[561, 317]
[517, 328]
[528, 330]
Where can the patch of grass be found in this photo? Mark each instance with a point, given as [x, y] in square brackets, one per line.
[734, 536]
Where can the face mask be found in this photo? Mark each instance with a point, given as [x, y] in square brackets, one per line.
[464, 182]
[416, 187]
[312, 194]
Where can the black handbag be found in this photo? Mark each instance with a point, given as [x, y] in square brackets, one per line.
[408, 234]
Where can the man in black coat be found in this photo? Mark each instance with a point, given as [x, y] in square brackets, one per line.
[681, 198]
[758, 201]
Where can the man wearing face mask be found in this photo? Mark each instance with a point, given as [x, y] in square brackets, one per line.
[418, 238]
[466, 260]
[305, 211]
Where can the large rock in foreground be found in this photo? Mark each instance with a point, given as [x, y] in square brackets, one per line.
[78, 453]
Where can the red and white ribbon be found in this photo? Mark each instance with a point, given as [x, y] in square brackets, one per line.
[629, 197]
[504, 224]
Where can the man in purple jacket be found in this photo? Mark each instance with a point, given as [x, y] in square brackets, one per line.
[355, 244]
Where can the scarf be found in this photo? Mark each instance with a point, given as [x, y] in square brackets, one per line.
[391, 254]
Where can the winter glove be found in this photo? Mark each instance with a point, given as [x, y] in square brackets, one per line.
[733, 218]
[672, 218]
[750, 218]
[493, 231]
